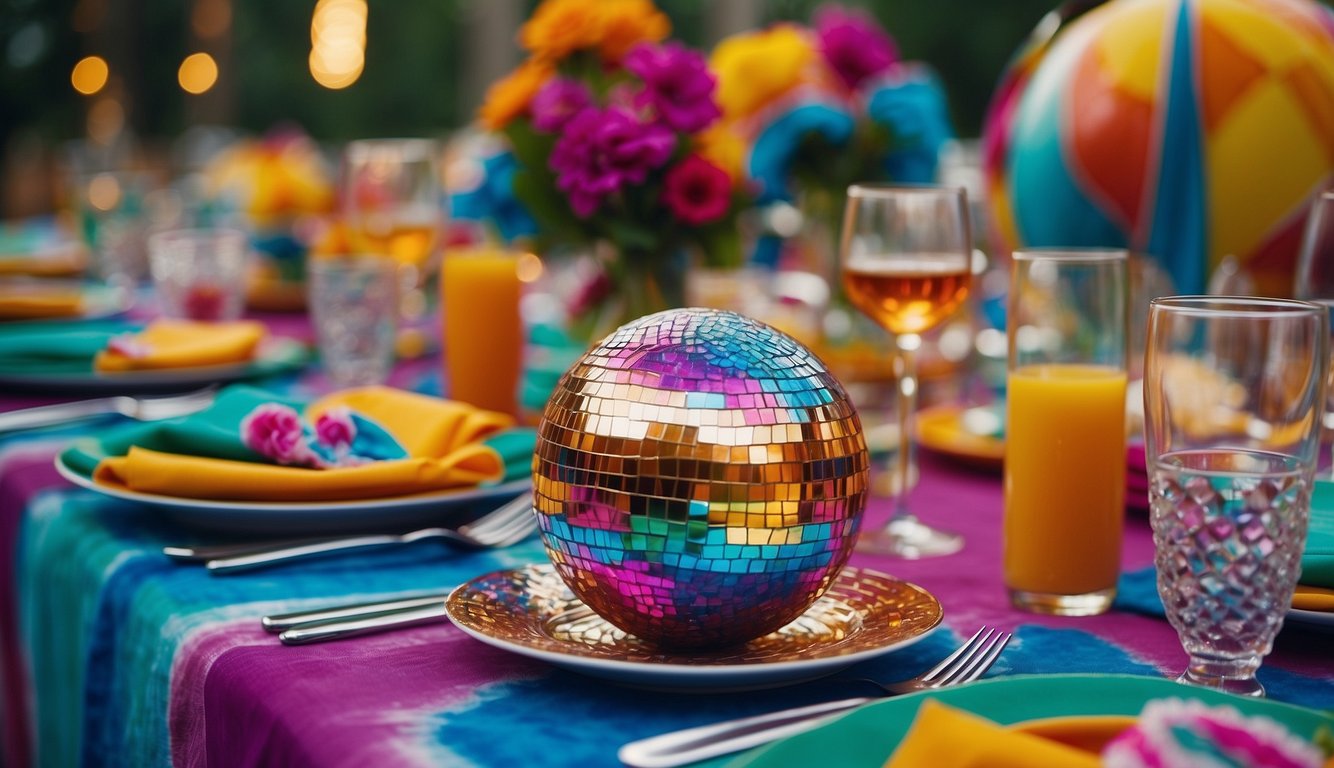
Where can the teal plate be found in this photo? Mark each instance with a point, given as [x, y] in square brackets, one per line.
[866, 737]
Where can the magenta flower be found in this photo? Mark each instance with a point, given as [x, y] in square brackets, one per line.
[697, 191]
[602, 151]
[335, 428]
[853, 44]
[678, 86]
[274, 430]
[558, 101]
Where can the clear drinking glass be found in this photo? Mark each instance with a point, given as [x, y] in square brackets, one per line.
[1315, 279]
[1233, 393]
[906, 255]
[354, 304]
[1065, 440]
[391, 202]
[199, 274]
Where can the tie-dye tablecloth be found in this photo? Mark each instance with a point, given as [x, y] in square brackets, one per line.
[111, 655]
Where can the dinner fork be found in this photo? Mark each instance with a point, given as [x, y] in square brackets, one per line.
[140, 408]
[509, 524]
[966, 664]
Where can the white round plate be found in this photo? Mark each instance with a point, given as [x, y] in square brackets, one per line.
[531, 612]
[315, 517]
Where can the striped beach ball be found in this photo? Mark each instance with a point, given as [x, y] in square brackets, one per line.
[1191, 130]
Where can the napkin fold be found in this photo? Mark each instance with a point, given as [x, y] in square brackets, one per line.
[944, 737]
[181, 344]
[57, 347]
[1318, 557]
[29, 302]
[449, 445]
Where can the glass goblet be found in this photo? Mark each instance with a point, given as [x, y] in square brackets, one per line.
[1233, 392]
[906, 256]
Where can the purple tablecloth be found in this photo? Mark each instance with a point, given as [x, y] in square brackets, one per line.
[110, 654]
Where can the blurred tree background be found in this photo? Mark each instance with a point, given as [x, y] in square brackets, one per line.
[427, 63]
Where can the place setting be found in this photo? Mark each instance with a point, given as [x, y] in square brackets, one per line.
[669, 384]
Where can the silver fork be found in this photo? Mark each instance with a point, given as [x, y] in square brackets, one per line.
[966, 664]
[509, 524]
[141, 408]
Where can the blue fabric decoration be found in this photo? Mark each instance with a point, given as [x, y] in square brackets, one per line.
[771, 155]
[916, 113]
[493, 199]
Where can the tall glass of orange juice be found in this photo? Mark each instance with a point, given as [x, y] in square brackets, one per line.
[483, 338]
[1065, 444]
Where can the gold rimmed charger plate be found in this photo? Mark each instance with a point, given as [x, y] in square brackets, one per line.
[530, 611]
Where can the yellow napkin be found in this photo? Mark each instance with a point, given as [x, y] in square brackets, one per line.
[184, 344]
[944, 737]
[441, 438]
[1313, 598]
[28, 303]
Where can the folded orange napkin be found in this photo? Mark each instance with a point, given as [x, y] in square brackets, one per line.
[1313, 598]
[28, 303]
[944, 737]
[181, 344]
[442, 439]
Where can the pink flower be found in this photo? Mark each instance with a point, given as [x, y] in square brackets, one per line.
[335, 428]
[274, 430]
[129, 345]
[558, 101]
[604, 150]
[853, 44]
[697, 191]
[678, 86]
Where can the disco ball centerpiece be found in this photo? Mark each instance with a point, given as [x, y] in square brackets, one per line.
[699, 478]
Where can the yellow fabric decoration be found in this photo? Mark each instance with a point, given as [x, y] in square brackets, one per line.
[442, 439]
[25, 303]
[944, 737]
[185, 344]
[1313, 598]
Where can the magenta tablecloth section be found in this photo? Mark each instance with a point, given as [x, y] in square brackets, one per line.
[194, 681]
[111, 655]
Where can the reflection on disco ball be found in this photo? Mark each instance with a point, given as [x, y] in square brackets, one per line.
[700, 478]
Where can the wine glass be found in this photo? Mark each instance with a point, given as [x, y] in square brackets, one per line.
[906, 256]
[1315, 276]
[1233, 390]
[391, 206]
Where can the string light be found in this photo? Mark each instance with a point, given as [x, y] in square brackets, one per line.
[338, 42]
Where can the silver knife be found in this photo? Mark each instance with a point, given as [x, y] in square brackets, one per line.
[706, 741]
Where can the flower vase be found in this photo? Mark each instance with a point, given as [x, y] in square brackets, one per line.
[639, 283]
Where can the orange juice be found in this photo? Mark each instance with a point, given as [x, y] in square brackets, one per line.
[1065, 468]
[483, 334]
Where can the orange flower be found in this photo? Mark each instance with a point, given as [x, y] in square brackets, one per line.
[560, 27]
[626, 23]
[509, 97]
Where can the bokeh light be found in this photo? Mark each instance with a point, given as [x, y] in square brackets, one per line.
[338, 42]
[104, 192]
[198, 73]
[90, 75]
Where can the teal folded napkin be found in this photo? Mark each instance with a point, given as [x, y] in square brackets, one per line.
[1318, 558]
[215, 433]
[56, 347]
